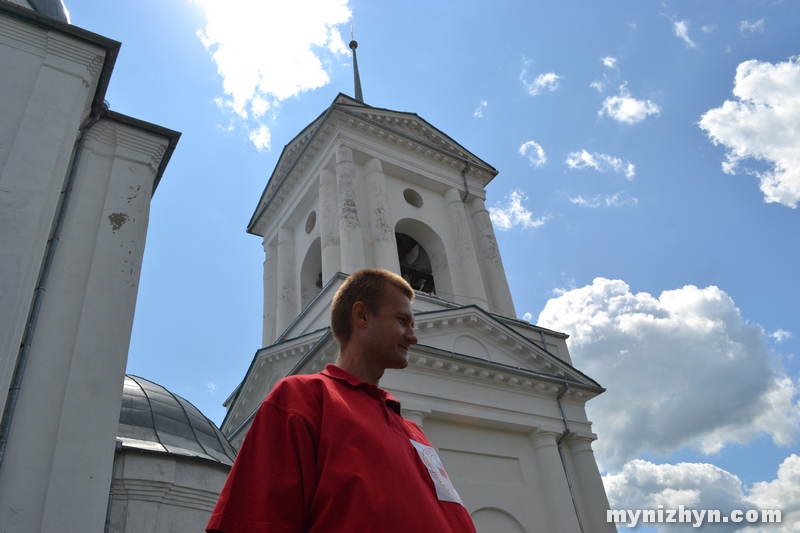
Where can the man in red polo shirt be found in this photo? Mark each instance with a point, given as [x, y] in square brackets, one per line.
[330, 452]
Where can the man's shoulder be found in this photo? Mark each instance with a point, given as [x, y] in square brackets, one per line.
[299, 387]
[301, 379]
[298, 382]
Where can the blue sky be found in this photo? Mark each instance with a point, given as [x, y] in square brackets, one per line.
[646, 202]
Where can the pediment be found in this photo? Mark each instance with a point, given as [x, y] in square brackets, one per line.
[463, 343]
[406, 131]
[471, 332]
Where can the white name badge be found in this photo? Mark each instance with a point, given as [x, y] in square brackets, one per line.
[445, 490]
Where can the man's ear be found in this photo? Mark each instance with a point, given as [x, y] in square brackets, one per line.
[359, 314]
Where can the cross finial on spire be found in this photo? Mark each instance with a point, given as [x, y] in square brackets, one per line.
[356, 77]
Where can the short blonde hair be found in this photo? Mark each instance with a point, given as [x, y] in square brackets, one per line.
[367, 286]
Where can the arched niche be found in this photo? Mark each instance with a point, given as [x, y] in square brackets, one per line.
[430, 258]
[493, 520]
[468, 345]
[311, 273]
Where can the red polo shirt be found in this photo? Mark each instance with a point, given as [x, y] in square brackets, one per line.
[330, 453]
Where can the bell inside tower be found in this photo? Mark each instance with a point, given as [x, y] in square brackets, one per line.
[415, 264]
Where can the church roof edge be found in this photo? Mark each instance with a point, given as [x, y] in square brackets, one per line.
[349, 106]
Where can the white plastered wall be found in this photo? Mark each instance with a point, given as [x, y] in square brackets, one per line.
[159, 493]
[42, 104]
[64, 426]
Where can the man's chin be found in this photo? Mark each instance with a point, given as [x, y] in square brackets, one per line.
[402, 362]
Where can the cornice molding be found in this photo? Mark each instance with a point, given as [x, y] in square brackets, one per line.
[487, 326]
[470, 368]
[405, 131]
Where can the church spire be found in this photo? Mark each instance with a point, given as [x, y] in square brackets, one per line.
[356, 78]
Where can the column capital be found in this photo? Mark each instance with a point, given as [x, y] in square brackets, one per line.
[285, 235]
[415, 416]
[344, 154]
[374, 165]
[580, 443]
[452, 195]
[542, 437]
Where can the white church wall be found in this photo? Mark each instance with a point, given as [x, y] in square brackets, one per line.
[86, 320]
[502, 470]
[42, 105]
[482, 400]
[159, 493]
[84, 327]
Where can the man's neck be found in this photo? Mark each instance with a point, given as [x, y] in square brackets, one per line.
[358, 367]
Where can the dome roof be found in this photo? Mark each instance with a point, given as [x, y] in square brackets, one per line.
[51, 8]
[154, 419]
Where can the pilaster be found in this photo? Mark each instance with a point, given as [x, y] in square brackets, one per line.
[384, 242]
[554, 482]
[350, 235]
[470, 290]
[587, 478]
[329, 225]
[270, 293]
[288, 304]
[491, 263]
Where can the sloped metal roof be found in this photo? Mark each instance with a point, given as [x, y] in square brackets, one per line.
[154, 419]
[51, 8]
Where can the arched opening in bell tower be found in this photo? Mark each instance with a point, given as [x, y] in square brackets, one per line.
[311, 274]
[423, 260]
[415, 264]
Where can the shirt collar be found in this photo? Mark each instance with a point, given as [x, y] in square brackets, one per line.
[340, 374]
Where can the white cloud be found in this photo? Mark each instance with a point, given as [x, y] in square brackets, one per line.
[211, 386]
[274, 52]
[763, 123]
[624, 108]
[479, 110]
[534, 153]
[644, 485]
[259, 106]
[260, 138]
[544, 82]
[699, 486]
[708, 28]
[601, 163]
[513, 213]
[781, 493]
[681, 29]
[610, 63]
[681, 370]
[618, 199]
[780, 335]
[751, 27]
[527, 317]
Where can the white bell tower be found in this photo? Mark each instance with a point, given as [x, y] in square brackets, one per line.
[368, 187]
[365, 187]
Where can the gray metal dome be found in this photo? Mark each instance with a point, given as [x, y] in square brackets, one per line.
[154, 419]
[51, 8]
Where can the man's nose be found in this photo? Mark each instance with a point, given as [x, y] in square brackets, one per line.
[411, 336]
